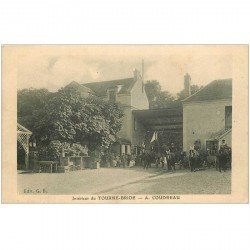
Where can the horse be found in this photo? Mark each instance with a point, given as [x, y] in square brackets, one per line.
[170, 161]
[212, 160]
[148, 159]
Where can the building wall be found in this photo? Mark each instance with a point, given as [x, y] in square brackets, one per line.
[202, 119]
[132, 130]
[124, 99]
[139, 99]
[126, 128]
[136, 100]
[138, 133]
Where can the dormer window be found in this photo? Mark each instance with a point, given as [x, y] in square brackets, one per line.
[119, 87]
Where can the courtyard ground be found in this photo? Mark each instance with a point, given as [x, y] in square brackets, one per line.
[126, 181]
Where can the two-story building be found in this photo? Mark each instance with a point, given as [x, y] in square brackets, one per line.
[207, 116]
[130, 94]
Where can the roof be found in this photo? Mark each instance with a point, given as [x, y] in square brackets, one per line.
[216, 90]
[100, 88]
[83, 88]
[220, 134]
[22, 130]
[224, 134]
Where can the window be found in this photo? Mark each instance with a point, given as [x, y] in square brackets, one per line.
[126, 149]
[135, 151]
[122, 149]
[135, 124]
[228, 117]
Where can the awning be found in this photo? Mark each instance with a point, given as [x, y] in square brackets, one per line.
[161, 119]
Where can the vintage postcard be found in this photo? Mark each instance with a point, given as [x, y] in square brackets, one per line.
[125, 124]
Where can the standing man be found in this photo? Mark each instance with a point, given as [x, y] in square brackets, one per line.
[196, 159]
[128, 160]
[229, 158]
[172, 148]
[192, 159]
[223, 156]
[123, 160]
[170, 160]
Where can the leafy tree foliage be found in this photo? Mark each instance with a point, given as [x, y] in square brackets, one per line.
[163, 99]
[30, 109]
[193, 89]
[30, 100]
[54, 149]
[69, 116]
[158, 98]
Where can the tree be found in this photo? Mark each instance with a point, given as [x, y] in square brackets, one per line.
[164, 99]
[158, 98]
[31, 108]
[53, 151]
[152, 88]
[69, 116]
[193, 89]
[30, 100]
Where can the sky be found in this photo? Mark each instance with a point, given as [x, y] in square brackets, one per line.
[54, 68]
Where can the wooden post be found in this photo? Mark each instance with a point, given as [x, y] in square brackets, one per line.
[27, 153]
[26, 161]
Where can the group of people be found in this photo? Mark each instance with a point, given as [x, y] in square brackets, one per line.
[168, 157]
[195, 159]
[219, 158]
[113, 160]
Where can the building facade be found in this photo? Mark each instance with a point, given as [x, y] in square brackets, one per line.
[207, 116]
[130, 94]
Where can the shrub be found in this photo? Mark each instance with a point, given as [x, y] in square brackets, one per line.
[53, 151]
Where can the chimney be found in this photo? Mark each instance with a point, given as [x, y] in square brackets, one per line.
[187, 85]
[136, 74]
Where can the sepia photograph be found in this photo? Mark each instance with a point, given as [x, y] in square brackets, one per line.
[123, 122]
[124, 125]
